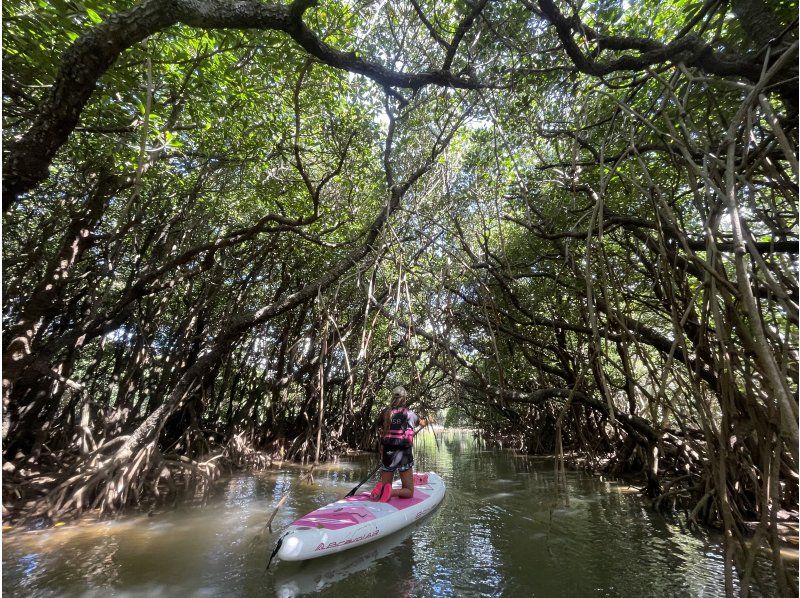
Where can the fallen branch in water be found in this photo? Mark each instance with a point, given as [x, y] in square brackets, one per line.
[275, 512]
[306, 477]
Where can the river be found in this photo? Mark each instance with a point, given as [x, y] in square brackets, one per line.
[506, 527]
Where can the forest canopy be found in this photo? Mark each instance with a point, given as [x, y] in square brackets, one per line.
[231, 227]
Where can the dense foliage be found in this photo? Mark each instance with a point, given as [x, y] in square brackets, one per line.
[229, 228]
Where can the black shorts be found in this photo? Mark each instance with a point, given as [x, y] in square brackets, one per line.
[397, 459]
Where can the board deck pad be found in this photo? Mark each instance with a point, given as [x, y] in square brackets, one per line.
[335, 518]
[342, 517]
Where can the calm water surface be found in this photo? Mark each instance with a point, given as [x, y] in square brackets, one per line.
[505, 528]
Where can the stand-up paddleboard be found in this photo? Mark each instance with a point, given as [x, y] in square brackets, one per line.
[356, 520]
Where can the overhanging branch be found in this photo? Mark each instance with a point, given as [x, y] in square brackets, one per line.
[27, 162]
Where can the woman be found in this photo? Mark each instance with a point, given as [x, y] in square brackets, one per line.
[398, 423]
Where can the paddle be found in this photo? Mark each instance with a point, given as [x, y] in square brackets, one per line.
[371, 473]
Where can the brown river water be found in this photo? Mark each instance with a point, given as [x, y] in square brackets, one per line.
[507, 527]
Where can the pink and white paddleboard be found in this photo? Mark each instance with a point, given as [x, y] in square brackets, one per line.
[356, 520]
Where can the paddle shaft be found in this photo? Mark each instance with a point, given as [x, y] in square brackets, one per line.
[372, 473]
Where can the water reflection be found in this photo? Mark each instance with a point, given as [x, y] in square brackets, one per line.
[297, 579]
[507, 526]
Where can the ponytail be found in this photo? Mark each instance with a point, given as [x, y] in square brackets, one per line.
[386, 421]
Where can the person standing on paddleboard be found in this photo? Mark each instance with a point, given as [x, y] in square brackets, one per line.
[398, 423]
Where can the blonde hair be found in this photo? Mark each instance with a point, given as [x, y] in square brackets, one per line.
[399, 397]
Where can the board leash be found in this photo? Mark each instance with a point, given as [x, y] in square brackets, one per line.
[278, 545]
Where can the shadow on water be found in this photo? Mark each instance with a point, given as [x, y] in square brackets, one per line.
[507, 526]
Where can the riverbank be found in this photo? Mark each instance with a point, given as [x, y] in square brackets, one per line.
[33, 493]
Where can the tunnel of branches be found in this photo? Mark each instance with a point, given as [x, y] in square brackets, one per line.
[230, 228]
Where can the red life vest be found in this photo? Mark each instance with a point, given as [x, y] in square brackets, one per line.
[400, 433]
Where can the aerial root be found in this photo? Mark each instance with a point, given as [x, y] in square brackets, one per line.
[96, 475]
